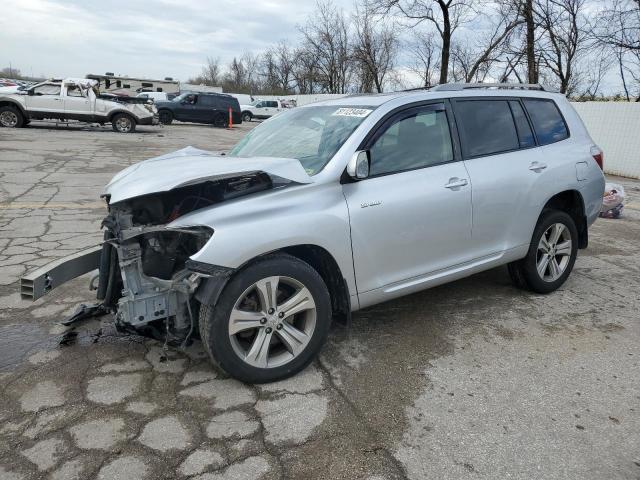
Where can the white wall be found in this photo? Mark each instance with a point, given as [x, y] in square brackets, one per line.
[302, 99]
[615, 127]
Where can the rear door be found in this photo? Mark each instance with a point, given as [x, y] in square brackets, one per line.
[412, 216]
[507, 169]
[208, 107]
[76, 104]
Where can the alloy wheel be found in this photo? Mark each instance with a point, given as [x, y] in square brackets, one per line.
[554, 252]
[8, 119]
[272, 322]
[123, 124]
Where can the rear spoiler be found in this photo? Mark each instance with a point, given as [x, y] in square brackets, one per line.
[41, 281]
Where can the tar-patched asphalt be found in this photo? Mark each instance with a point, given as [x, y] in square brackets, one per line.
[471, 380]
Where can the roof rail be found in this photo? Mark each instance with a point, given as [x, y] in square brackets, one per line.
[445, 87]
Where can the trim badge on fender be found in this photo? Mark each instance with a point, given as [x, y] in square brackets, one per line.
[371, 204]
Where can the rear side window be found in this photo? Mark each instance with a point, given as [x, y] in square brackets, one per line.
[525, 135]
[208, 101]
[486, 126]
[547, 121]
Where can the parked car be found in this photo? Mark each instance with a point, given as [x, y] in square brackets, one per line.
[261, 109]
[155, 96]
[74, 99]
[336, 206]
[200, 108]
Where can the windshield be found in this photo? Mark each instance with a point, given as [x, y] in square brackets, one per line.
[310, 134]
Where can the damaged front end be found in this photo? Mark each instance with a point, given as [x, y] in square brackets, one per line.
[145, 275]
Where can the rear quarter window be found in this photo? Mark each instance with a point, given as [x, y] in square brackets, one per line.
[547, 120]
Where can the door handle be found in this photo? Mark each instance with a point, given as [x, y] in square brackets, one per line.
[456, 182]
[537, 167]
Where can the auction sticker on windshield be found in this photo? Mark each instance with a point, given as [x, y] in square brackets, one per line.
[352, 112]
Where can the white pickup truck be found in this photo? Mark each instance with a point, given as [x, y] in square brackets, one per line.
[75, 99]
[261, 109]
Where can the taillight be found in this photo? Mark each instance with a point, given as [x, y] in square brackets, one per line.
[598, 156]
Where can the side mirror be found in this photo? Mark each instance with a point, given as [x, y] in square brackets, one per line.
[358, 167]
[30, 92]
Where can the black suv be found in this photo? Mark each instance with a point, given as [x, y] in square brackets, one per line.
[200, 108]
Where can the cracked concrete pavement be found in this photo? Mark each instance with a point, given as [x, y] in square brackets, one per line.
[474, 379]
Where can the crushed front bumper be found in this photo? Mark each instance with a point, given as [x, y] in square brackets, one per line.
[41, 281]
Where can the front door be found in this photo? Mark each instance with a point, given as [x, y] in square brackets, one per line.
[45, 99]
[186, 109]
[412, 216]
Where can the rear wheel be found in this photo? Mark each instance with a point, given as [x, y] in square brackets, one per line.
[11, 117]
[220, 120]
[123, 123]
[165, 117]
[270, 320]
[552, 254]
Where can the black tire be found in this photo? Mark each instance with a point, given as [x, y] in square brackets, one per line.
[247, 116]
[214, 320]
[11, 117]
[123, 123]
[524, 273]
[165, 117]
[220, 120]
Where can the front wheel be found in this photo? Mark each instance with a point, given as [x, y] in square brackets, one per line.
[551, 256]
[11, 117]
[246, 116]
[123, 123]
[270, 321]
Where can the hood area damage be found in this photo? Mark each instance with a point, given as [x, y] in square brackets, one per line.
[145, 277]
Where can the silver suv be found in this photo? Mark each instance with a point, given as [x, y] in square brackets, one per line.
[332, 207]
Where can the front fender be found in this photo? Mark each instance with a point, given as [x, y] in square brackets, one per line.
[246, 228]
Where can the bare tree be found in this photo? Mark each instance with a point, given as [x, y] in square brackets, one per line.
[593, 75]
[530, 39]
[618, 29]
[565, 35]
[445, 15]
[476, 62]
[374, 48]
[326, 39]
[619, 25]
[424, 52]
[235, 79]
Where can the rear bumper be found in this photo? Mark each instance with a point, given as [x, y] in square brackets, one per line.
[38, 283]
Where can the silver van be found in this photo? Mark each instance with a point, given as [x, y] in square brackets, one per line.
[336, 206]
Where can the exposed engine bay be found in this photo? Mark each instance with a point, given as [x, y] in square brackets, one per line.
[144, 276]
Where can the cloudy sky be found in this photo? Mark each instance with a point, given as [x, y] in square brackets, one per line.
[157, 39]
[141, 38]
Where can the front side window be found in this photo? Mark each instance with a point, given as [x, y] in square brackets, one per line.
[416, 139]
[547, 121]
[310, 134]
[47, 89]
[486, 127]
